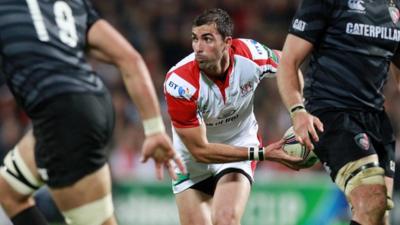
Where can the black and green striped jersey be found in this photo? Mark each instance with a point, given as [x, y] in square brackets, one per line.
[42, 46]
[354, 41]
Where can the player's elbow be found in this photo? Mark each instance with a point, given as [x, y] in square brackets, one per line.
[200, 155]
[128, 57]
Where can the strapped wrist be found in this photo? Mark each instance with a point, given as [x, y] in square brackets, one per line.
[256, 153]
[296, 108]
[153, 126]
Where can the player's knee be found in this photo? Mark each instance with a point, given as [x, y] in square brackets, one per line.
[226, 216]
[361, 173]
[93, 213]
[11, 201]
[369, 201]
[17, 174]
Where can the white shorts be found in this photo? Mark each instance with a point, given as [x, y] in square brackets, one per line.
[197, 172]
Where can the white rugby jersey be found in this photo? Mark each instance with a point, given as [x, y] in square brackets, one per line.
[225, 107]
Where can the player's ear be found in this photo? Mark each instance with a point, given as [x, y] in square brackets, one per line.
[228, 40]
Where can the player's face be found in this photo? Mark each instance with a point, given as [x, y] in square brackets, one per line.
[208, 45]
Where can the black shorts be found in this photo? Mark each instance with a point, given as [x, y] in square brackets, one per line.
[208, 185]
[71, 131]
[351, 135]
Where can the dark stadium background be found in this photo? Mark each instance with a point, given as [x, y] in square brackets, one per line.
[161, 31]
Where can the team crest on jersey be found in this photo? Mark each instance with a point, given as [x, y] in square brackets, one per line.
[356, 6]
[246, 88]
[394, 13]
[362, 141]
[179, 88]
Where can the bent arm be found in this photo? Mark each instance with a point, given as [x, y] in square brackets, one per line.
[108, 45]
[195, 140]
[289, 77]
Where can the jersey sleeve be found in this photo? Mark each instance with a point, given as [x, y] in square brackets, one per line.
[181, 101]
[93, 15]
[267, 59]
[311, 19]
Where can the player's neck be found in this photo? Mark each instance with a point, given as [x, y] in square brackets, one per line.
[220, 69]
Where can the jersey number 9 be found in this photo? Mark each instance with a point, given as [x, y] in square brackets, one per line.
[64, 19]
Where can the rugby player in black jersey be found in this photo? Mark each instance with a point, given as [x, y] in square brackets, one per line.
[43, 45]
[351, 44]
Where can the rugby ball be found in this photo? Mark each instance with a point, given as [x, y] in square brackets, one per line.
[294, 148]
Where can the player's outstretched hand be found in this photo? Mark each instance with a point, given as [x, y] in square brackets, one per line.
[304, 125]
[275, 152]
[159, 147]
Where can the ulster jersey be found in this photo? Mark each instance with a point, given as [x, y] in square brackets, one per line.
[224, 107]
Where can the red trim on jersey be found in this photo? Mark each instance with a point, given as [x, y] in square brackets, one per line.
[240, 48]
[269, 61]
[183, 112]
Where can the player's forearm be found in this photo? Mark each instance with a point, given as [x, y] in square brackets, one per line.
[139, 86]
[289, 84]
[394, 69]
[219, 153]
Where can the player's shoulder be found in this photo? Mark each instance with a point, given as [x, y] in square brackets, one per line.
[250, 48]
[182, 80]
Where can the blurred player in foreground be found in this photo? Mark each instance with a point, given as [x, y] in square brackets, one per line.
[351, 44]
[43, 46]
[210, 101]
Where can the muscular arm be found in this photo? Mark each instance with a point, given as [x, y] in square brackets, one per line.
[395, 68]
[299, 74]
[294, 52]
[196, 141]
[290, 79]
[108, 45]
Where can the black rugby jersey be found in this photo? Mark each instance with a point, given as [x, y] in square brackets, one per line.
[354, 41]
[42, 45]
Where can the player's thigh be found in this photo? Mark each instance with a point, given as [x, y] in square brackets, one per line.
[88, 201]
[12, 201]
[19, 177]
[194, 207]
[26, 148]
[238, 186]
[90, 188]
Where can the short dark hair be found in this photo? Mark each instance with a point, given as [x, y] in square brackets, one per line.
[218, 16]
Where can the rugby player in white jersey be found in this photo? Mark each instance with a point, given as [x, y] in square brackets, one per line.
[210, 101]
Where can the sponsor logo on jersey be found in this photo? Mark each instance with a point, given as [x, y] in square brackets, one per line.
[256, 49]
[179, 88]
[227, 112]
[257, 46]
[356, 6]
[394, 14]
[299, 25]
[372, 31]
[362, 141]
